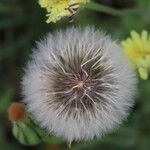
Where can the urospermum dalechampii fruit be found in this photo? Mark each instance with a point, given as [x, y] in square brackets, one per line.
[78, 84]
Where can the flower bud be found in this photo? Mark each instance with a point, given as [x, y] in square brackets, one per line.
[17, 112]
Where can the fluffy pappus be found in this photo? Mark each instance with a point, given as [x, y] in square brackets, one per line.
[78, 84]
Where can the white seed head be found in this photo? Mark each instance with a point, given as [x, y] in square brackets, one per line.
[78, 84]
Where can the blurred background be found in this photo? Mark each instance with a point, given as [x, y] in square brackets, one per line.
[22, 22]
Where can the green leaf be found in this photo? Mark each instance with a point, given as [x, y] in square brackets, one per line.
[26, 134]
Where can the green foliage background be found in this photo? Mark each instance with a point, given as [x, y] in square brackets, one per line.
[22, 22]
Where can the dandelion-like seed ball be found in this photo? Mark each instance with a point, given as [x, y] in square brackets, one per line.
[78, 84]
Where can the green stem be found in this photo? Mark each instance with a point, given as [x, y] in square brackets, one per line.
[111, 11]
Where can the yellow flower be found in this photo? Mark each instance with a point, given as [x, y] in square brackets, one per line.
[57, 9]
[137, 49]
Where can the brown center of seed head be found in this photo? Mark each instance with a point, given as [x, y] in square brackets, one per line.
[80, 84]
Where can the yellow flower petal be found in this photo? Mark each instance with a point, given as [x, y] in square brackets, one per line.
[144, 35]
[143, 73]
[135, 36]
